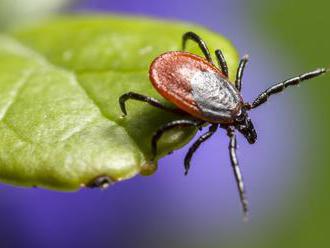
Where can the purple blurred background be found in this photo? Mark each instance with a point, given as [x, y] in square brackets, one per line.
[168, 209]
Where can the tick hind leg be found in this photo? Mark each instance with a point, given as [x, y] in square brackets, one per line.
[138, 97]
[278, 87]
[202, 45]
[196, 145]
[237, 173]
[171, 125]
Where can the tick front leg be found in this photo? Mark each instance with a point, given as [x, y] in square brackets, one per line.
[138, 97]
[171, 125]
[240, 71]
[202, 45]
[196, 145]
[278, 87]
[237, 173]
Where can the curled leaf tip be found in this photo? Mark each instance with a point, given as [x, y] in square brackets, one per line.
[101, 182]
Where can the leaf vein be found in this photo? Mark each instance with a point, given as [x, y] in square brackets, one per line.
[15, 93]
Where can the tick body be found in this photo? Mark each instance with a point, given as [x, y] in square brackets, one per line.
[202, 91]
[195, 86]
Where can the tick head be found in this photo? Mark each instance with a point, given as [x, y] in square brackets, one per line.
[245, 126]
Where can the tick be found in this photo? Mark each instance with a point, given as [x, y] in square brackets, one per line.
[203, 92]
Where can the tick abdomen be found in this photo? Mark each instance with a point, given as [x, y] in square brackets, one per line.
[195, 86]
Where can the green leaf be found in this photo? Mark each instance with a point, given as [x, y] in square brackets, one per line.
[59, 86]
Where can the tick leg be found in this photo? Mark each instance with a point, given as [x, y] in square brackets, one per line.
[152, 101]
[222, 62]
[192, 36]
[195, 146]
[236, 169]
[278, 87]
[240, 71]
[171, 125]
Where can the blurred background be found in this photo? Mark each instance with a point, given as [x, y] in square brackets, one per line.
[287, 171]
